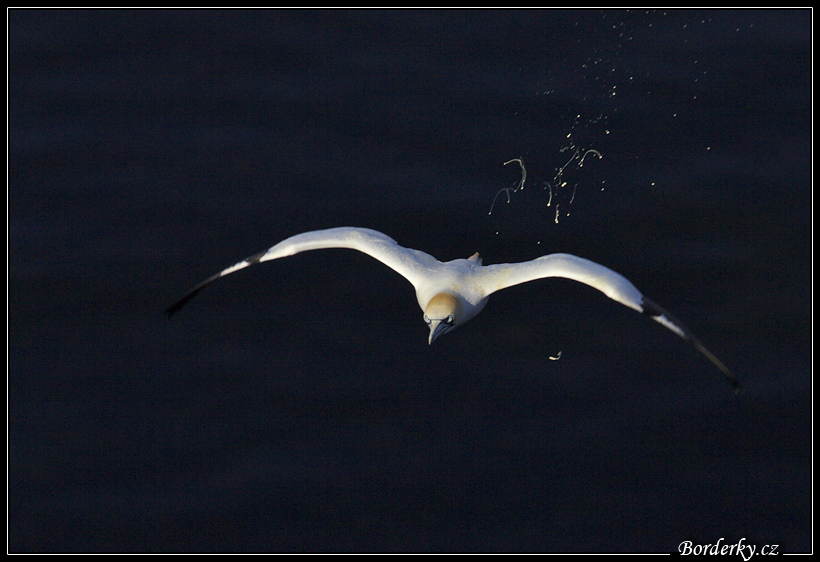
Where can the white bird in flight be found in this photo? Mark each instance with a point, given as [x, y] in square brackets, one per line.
[451, 293]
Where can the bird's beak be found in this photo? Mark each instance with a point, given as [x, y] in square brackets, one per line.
[437, 328]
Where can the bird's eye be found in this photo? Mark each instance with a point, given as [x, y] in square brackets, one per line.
[426, 320]
[449, 320]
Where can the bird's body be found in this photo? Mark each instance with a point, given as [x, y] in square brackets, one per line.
[451, 293]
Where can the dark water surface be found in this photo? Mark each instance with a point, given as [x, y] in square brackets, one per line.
[296, 406]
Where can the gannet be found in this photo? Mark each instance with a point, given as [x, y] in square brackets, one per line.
[451, 293]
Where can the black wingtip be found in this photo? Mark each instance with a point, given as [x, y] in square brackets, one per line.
[730, 376]
[659, 314]
[173, 309]
[177, 306]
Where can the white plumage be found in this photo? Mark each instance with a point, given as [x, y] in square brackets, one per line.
[451, 293]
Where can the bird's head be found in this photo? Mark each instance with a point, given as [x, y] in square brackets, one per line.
[442, 314]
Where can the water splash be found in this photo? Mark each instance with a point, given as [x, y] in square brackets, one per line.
[508, 190]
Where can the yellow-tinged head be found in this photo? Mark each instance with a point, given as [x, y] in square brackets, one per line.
[442, 314]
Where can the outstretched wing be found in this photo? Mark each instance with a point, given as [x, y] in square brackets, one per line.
[411, 264]
[612, 284]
